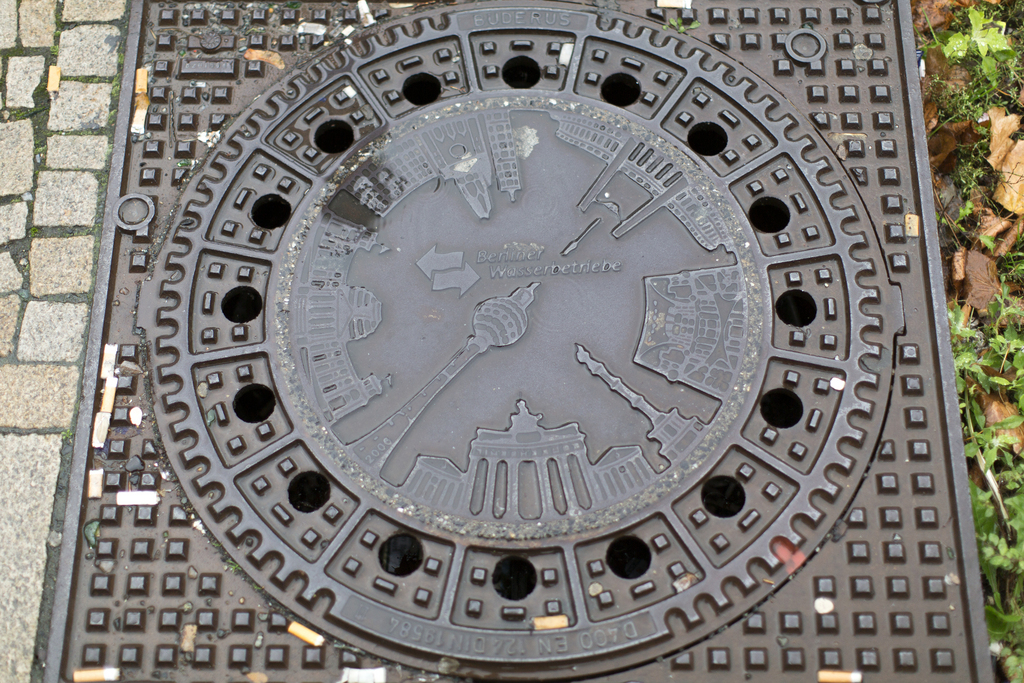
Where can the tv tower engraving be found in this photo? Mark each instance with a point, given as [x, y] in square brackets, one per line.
[498, 321]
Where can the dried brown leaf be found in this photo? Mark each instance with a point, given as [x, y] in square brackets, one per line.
[269, 56]
[1007, 157]
[996, 409]
[958, 265]
[942, 150]
[1010, 238]
[939, 70]
[933, 15]
[981, 281]
[991, 225]
[1010, 191]
[945, 140]
[931, 115]
[1003, 127]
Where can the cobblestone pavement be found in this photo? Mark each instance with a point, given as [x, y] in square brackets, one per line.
[54, 148]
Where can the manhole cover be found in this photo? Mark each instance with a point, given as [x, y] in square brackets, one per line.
[517, 343]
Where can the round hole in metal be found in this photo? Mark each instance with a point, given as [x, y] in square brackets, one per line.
[514, 578]
[334, 136]
[254, 403]
[270, 211]
[241, 304]
[621, 90]
[769, 214]
[628, 557]
[796, 308]
[421, 89]
[707, 138]
[781, 408]
[723, 496]
[400, 555]
[520, 72]
[309, 491]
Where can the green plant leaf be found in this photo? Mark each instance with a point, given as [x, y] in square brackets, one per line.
[956, 47]
[1011, 422]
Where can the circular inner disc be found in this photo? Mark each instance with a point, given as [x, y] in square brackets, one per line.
[520, 332]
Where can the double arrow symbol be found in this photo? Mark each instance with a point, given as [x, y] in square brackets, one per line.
[441, 269]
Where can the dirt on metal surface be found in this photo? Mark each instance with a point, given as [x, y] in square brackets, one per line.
[519, 341]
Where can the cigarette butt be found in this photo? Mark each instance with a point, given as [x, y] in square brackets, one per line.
[549, 623]
[95, 483]
[840, 677]
[53, 79]
[141, 498]
[100, 427]
[109, 673]
[141, 80]
[365, 16]
[912, 224]
[109, 392]
[139, 117]
[109, 358]
[565, 54]
[306, 634]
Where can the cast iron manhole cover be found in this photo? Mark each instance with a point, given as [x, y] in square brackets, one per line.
[521, 342]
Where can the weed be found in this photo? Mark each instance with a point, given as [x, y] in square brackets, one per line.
[989, 360]
[679, 26]
[986, 38]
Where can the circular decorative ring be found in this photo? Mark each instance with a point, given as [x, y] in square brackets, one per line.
[805, 46]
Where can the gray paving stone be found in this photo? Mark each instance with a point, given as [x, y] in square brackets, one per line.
[8, 23]
[16, 151]
[80, 106]
[37, 22]
[60, 265]
[89, 51]
[52, 331]
[77, 151]
[12, 221]
[92, 10]
[28, 477]
[11, 278]
[38, 396]
[9, 308]
[65, 198]
[23, 77]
